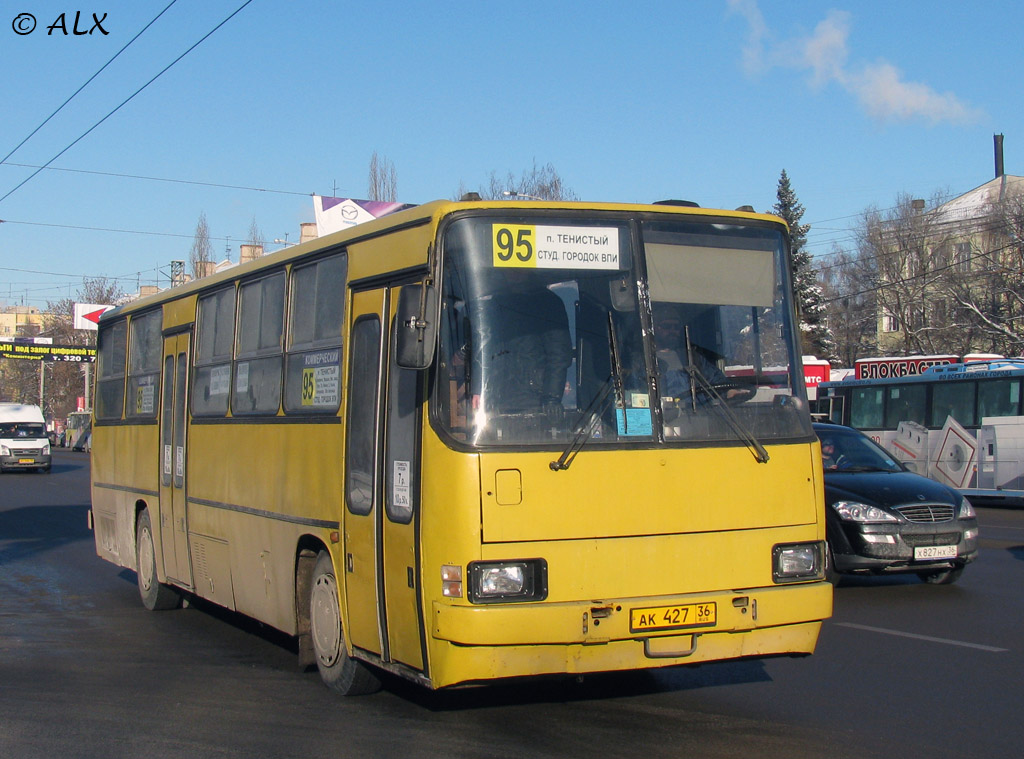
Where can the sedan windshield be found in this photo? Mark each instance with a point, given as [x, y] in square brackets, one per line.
[845, 450]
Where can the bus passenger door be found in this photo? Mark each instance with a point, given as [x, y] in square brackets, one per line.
[173, 410]
[400, 562]
[381, 576]
[362, 471]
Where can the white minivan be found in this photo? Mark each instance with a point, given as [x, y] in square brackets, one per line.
[23, 440]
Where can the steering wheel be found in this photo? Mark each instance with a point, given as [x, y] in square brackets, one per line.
[734, 392]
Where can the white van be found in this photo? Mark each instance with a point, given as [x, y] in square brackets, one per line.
[23, 440]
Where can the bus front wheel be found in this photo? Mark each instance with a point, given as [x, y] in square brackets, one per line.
[337, 669]
[155, 595]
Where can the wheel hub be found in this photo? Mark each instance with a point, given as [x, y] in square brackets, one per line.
[325, 620]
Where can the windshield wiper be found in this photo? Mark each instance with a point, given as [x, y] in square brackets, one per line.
[617, 371]
[585, 427]
[719, 403]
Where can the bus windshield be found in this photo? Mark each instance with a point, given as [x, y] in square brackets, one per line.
[624, 332]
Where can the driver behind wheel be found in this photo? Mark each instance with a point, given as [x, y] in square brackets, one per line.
[674, 359]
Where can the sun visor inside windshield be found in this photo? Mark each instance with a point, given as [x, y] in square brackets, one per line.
[688, 274]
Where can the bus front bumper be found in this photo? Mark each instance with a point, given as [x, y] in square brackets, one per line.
[482, 642]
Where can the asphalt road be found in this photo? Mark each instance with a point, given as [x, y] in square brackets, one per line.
[902, 669]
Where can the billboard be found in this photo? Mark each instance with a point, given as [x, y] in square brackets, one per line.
[44, 352]
[336, 214]
[87, 315]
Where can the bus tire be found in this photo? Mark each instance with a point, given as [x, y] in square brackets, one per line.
[339, 671]
[155, 595]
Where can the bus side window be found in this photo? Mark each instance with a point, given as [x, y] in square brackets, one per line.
[257, 374]
[216, 335]
[955, 399]
[144, 365]
[112, 352]
[905, 403]
[998, 398]
[313, 363]
[866, 408]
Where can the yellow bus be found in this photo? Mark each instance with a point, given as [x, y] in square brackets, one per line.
[477, 440]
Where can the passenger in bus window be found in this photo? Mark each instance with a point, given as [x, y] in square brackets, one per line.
[524, 350]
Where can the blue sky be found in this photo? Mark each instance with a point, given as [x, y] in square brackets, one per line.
[706, 100]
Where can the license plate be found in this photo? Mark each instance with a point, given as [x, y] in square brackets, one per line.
[935, 552]
[26, 461]
[673, 617]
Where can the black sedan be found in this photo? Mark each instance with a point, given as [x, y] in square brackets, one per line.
[881, 518]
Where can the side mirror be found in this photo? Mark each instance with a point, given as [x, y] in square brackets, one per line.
[416, 330]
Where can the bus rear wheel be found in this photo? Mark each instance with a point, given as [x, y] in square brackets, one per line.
[338, 670]
[155, 595]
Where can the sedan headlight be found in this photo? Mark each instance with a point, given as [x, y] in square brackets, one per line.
[796, 562]
[966, 511]
[508, 581]
[852, 511]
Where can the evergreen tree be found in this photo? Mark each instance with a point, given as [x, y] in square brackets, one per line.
[815, 336]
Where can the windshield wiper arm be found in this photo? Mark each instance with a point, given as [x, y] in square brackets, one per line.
[585, 427]
[597, 407]
[719, 403]
[617, 371]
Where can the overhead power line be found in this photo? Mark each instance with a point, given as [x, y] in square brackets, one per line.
[133, 275]
[125, 101]
[160, 179]
[87, 81]
[109, 229]
[98, 229]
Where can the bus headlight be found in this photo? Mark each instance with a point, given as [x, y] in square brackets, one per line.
[508, 581]
[796, 562]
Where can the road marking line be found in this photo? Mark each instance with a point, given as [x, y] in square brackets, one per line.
[947, 641]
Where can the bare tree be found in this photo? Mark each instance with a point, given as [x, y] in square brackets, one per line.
[542, 183]
[985, 281]
[65, 381]
[907, 248]
[851, 308]
[255, 235]
[383, 183]
[201, 253]
[19, 381]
